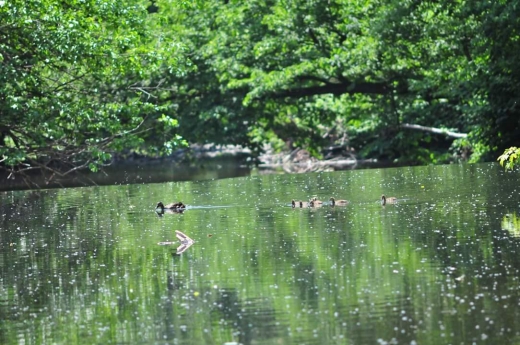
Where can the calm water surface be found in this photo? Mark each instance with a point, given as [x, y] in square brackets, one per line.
[442, 266]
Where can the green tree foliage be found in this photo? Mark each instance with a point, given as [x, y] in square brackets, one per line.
[411, 81]
[510, 158]
[314, 73]
[75, 83]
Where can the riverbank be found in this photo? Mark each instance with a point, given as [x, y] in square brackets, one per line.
[199, 162]
[295, 161]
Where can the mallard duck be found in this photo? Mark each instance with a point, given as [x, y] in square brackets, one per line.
[315, 202]
[389, 200]
[335, 202]
[173, 206]
[300, 204]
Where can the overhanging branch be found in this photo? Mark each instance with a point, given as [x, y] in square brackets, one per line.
[434, 130]
[335, 89]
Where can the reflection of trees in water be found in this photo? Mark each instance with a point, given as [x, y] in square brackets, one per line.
[50, 264]
[179, 309]
[511, 223]
[307, 283]
[26, 240]
[173, 284]
[145, 171]
[304, 271]
[250, 318]
[480, 269]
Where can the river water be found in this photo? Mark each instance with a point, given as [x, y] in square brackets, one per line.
[98, 265]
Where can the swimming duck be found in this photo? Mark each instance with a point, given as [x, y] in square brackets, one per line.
[389, 200]
[335, 202]
[300, 204]
[315, 202]
[175, 206]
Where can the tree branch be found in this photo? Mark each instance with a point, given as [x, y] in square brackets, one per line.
[315, 78]
[335, 89]
[317, 43]
[434, 130]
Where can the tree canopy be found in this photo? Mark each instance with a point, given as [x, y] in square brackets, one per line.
[74, 87]
[316, 73]
[411, 81]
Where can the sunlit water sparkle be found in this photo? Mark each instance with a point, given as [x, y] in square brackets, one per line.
[84, 265]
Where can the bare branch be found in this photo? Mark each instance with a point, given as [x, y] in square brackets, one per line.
[434, 130]
[143, 91]
[62, 85]
[131, 131]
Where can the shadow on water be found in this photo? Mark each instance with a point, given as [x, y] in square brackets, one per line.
[140, 173]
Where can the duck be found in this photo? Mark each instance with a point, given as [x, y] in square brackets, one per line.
[173, 206]
[314, 202]
[335, 202]
[389, 200]
[300, 204]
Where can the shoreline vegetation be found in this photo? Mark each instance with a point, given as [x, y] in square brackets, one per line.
[229, 160]
[223, 160]
[295, 161]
